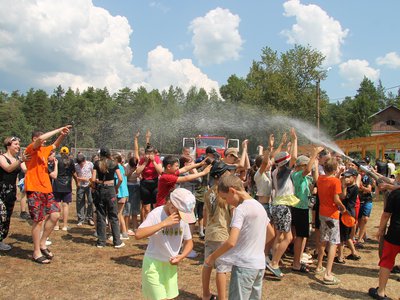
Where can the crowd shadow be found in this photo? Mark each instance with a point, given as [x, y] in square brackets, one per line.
[77, 239]
[184, 295]
[18, 252]
[337, 291]
[129, 260]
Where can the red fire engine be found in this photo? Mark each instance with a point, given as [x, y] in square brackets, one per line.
[199, 144]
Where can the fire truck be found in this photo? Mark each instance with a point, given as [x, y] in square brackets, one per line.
[199, 144]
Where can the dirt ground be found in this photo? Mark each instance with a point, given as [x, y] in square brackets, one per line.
[82, 271]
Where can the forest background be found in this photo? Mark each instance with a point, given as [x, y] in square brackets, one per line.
[278, 86]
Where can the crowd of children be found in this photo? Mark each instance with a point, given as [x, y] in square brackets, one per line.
[250, 217]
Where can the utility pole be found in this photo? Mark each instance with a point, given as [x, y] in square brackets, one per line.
[318, 103]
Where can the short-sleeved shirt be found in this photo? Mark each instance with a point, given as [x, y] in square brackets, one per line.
[84, 172]
[166, 184]
[393, 207]
[301, 188]
[328, 187]
[63, 182]
[366, 181]
[263, 183]
[351, 198]
[37, 177]
[149, 172]
[166, 242]
[109, 175]
[252, 220]
[123, 188]
[218, 216]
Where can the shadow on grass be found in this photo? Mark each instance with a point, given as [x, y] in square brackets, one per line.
[337, 291]
[356, 270]
[130, 260]
[18, 252]
[21, 237]
[77, 239]
[184, 295]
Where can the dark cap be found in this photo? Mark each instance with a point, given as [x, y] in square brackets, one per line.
[210, 150]
[350, 172]
[219, 168]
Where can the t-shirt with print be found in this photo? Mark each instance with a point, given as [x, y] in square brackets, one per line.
[252, 220]
[365, 181]
[301, 188]
[351, 198]
[263, 183]
[149, 172]
[37, 177]
[328, 187]
[63, 182]
[84, 171]
[166, 242]
[166, 184]
[393, 207]
[218, 216]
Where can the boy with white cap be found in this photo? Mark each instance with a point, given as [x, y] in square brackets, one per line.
[167, 227]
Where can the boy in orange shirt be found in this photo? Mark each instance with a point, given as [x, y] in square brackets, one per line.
[329, 191]
[40, 193]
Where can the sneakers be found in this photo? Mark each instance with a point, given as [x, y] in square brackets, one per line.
[65, 228]
[24, 215]
[4, 247]
[48, 242]
[124, 236]
[56, 228]
[100, 246]
[119, 246]
[79, 224]
[131, 232]
[91, 222]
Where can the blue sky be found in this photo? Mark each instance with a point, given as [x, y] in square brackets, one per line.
[119, 43]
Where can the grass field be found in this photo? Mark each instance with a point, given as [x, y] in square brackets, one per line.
[82, 271]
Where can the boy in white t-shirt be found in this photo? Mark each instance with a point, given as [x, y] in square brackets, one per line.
[250, 230]
[168, 227]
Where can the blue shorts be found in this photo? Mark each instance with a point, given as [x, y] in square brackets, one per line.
[365, 209]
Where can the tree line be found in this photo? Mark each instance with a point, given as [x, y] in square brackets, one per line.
[278, 84]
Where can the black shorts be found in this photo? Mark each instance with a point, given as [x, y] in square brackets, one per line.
[148, 191]
[300, 221]
[345, 232]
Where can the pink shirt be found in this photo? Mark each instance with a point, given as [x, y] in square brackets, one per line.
[150, 172]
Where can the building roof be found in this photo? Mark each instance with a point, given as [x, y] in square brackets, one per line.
[382, 110]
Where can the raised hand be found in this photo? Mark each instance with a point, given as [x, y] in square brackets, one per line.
[171, 220]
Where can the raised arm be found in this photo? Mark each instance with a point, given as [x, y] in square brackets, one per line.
[293, 152]
[136, 145]
[45, 136]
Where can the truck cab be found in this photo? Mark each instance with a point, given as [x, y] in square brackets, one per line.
[199, 144]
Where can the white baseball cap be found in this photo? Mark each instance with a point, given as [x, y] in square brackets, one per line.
[184, 201]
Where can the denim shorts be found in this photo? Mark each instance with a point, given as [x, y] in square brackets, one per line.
[132, 206]
[246, 283]
[365, 209]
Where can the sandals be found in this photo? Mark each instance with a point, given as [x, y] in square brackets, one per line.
[47, 253]
[395, 270]
[277, 272]
[339, 260]
[43, 260]
[374, 294]
[303, 269]
[333, 281]
[353, 257]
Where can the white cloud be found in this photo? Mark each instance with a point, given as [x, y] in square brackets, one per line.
[391, 59]
[216, 37]
[316, 28]
[45, 43]
[165, 71]
[354, 70]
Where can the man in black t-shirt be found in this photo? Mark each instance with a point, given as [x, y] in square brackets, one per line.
[391, 245]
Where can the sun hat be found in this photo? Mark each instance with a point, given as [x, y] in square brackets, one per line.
[184, 201]
[302, 160]
[64, 150]
[219, 168]
[282, 158]
[348, 220]
[232, 151]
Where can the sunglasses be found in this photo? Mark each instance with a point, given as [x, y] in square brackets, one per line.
[14, 138]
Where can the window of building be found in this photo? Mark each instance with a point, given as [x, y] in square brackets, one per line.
[390, 122]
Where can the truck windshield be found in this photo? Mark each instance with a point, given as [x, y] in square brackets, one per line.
[214, 142]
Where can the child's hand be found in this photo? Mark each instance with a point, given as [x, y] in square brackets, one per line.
[284, 139]
[151, 156]
[341, 208]
[245, 143]
[207, 169]
[171, 220]
[293, 133]
[209, 262]
[175, 260]
[137, 134]
[271, 140]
